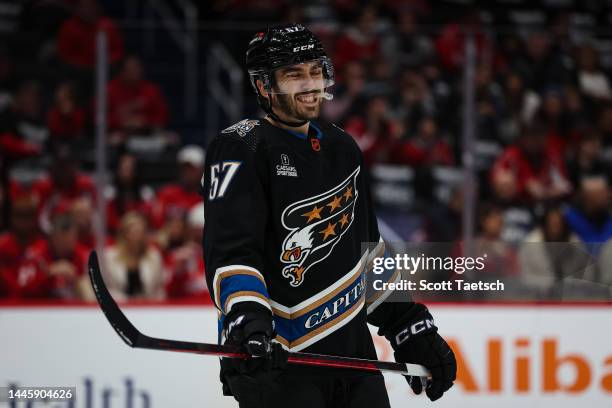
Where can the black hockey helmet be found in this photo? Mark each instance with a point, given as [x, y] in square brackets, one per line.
[281, 46]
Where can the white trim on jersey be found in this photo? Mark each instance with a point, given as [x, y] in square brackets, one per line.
[219, 272]
[346, 319]
[313, 299]
[372, 306]
[239, 299]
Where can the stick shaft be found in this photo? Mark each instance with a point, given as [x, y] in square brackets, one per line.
[134, 338]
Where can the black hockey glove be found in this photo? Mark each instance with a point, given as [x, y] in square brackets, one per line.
[415, 339]
[250, 326]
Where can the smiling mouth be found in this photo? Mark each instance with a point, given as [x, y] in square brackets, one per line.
[311, 97]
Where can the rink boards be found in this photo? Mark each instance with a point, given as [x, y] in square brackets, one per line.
[528, 355]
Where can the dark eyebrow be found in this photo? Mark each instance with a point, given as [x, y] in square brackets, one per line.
[290, 70]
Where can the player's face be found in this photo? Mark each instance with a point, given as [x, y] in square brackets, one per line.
[298, 91]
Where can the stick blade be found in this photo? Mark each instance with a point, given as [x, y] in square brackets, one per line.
[114, 315]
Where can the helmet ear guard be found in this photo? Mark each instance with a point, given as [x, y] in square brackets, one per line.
[263, 101]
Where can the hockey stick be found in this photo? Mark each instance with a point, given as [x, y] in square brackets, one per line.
[134, 338]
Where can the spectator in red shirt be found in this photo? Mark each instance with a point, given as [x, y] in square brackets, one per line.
[15, 143]
[450, 44]
[76, 41]
[13, 243]
[127, 193]
[185, 264]
[65, 119]
[181, 197]
[135, 105]
[55, 267]
[82, 212]
[64, 184]
[374, 132]
[361, 42]
[530, 168]
[427, 148]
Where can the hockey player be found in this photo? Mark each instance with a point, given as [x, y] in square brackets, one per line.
[287, 210]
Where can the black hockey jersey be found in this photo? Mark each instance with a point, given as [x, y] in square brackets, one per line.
[287, 217]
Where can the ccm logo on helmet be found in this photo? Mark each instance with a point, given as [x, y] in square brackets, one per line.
[304, 48]
[413, 330]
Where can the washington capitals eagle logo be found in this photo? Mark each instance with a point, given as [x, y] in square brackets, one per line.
[243, 127]
[315, 226]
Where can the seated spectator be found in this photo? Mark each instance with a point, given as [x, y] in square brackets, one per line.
[182, 196]
[489, 101]
[518, 215]
[65, 119]
[562, 135]
[587, 160]
[24, 121]
[408, 46]
[414, 101]
[426, 148]
[519, 106]
[76, 41]
[604, 126]
[55, 267]
[590, 217]
[551, 253]
[134, 267]
[13, 147]
[360, 42]
[185, 264]
[347, 93]
[374, 132]
[135, 105]
[63, 185]
[500, 256]
[8, 188]
[592, 80]
[540, 64]
[443, 220]
[173, 234]
[23, 233]
[450, 44]
[82, 211]
[536, 170]
[127, 193]
[380, 78]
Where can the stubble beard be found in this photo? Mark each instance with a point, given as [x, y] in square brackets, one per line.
[290, 108]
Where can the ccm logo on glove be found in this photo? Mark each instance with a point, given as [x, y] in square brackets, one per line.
[234, 323]
[414, 329]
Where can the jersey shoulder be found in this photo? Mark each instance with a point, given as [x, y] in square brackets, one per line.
[247, 131]
[338, 135]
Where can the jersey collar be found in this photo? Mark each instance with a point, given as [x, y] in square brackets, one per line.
[312, 129]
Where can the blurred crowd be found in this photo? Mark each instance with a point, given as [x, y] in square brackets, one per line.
[542, 150]
[152, 233]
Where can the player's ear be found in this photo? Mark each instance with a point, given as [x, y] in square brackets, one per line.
[261, 88]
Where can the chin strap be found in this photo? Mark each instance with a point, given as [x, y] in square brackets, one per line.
[284, 122]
